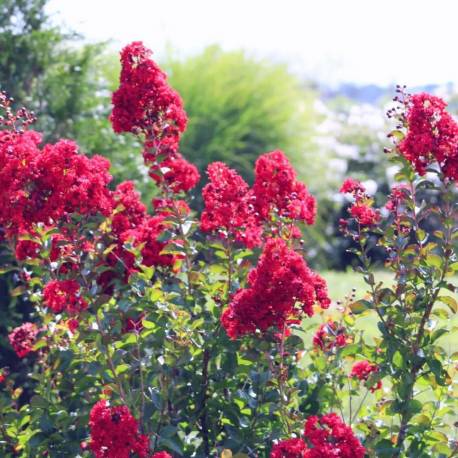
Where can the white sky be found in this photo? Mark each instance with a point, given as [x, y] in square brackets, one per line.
[411, 42]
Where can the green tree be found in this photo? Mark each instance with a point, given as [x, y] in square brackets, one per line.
[41, 67]
[240, 107]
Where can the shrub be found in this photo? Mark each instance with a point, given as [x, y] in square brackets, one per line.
[168, 334]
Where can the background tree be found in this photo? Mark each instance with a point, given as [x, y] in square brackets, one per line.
[46, 67]
[240, 107]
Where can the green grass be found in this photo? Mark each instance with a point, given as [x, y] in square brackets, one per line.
[341, 284]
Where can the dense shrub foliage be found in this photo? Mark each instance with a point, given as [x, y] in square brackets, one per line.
[174, 334]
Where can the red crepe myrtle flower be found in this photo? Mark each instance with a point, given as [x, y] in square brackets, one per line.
[60, 248]
[18, 155]
[277, 189]
[129, 209]
[364, 214]
[161, 455]
[131, 223]
[432, 134]
[76, 182]
[229, 208]
[170, 207]
[176, 172]
[289, 448]
[114, 432]
[362, 371]
[330, 335]
[329, 437]
[22, 339]
[352, 186]
[45, 186]
[361, 209]
[60, 295]
[280, 280]
[73, 324]
[147, 234]
[450, 168]
[399, 194]
[3, 375]
[145, 102]
[26, 249]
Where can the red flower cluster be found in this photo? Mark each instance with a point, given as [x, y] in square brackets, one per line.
[44, 186]
[352, 186]
[432, 135]
[281, 279]
[364, 214]
[60, 295]
[289, 448]
[324, 437]
[72, 324]
[66, 249]
[232, 208]
[147, 235]
[144, 102]
[26, 249]
[131, 223]
[330, 335]
[114, 432]
[362, 371]
[329, 437]
[361, 209]
[22, 339]
[229, 208]
[175, 173]
[161, 455]
[130, 210]
[170, 207]
[277, 190]
[399, 194]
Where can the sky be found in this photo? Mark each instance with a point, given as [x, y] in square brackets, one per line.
[380, 42]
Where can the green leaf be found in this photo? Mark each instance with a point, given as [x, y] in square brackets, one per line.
[122, 368]
[442, 449]
[360, 306]
[385, 449]
[396, 133]
[148, 324]
[349, 350]
[38, 401]
[398, 360]
[170, 444]
[434, 260]
[450, 302]
[415, 406]
[438, 333]
[439, 373]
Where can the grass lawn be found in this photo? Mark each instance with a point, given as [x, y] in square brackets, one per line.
[340, 285]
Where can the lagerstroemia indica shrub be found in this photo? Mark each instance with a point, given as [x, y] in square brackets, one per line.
[166, 333]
